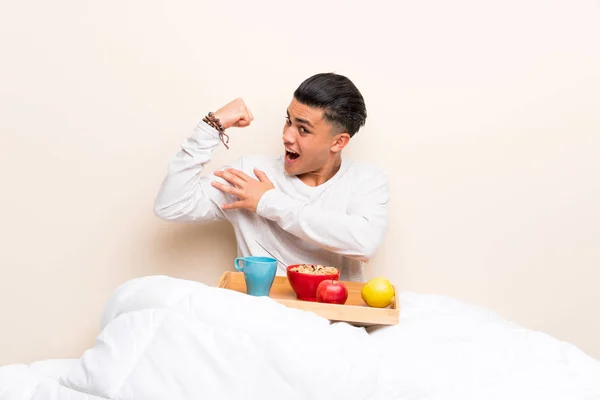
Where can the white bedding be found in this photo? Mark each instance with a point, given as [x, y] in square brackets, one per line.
[160, 340]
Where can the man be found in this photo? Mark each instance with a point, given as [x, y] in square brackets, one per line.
[309, 205]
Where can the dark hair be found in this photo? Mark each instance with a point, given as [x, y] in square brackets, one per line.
[343, 105]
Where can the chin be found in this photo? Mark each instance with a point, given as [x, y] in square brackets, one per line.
[291, 170]
[288, 170]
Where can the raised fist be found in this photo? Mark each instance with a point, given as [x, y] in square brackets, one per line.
[234, 114]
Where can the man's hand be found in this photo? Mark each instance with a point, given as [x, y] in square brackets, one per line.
[247, 189]
[234, 114]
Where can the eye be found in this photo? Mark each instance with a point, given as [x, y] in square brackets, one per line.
[303, 130]
[288, 121]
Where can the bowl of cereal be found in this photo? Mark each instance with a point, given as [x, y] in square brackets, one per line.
[304, 279]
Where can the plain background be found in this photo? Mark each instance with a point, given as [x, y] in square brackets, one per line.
[485, 115]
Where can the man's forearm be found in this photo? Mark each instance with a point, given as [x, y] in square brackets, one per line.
[183, 194]
[356, 236]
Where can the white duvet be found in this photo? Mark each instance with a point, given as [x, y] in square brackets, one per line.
[166, 338]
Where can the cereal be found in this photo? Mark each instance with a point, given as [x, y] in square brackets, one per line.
[315, 269]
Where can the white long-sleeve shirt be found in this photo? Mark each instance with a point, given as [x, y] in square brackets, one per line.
[340, 223]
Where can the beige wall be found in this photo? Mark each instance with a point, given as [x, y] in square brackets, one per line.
[486, 117]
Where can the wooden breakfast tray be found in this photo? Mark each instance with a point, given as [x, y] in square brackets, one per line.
[354, 312]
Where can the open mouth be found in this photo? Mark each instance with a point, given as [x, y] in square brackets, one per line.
[291, 156]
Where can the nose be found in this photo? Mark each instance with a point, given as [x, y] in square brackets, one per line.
[289, 136]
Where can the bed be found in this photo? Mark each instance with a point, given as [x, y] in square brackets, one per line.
[160, 340]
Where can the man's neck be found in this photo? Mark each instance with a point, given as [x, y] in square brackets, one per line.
[323, 174]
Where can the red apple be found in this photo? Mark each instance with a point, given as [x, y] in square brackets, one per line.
[332, 291]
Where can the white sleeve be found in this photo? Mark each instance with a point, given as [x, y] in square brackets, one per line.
[185, 195]
[355, 232]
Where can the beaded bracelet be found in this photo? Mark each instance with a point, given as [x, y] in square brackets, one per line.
[213, 121]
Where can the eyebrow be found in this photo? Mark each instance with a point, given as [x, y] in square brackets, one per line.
[301, 120]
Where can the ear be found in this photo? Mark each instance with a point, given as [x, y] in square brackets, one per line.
[340, 140]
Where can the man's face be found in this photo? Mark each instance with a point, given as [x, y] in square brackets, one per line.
[307, 138]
